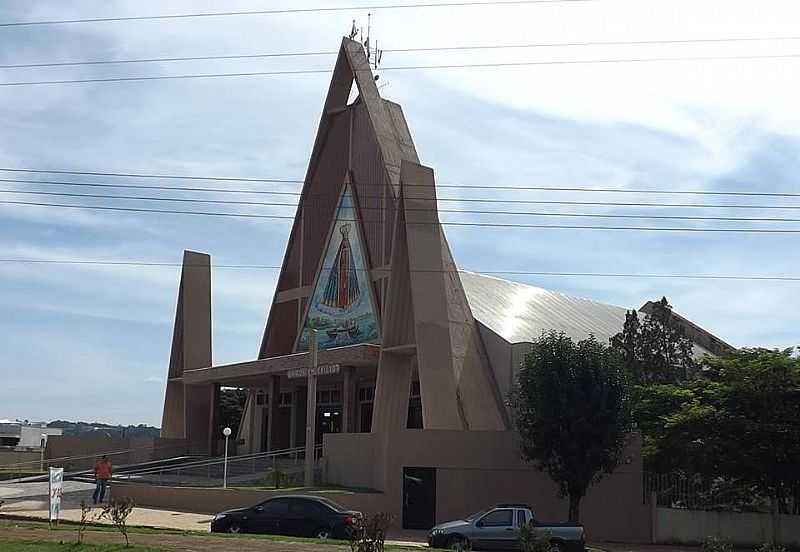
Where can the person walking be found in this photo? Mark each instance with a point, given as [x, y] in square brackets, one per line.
[102, 474]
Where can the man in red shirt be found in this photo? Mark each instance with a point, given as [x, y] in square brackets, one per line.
[102, 474]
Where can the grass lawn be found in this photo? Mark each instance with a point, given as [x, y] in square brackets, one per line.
[69, 547]
[70, 529]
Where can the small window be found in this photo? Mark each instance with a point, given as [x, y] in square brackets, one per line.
[498, 518]
[414, 419]
[275, 507]
[366, 394]
[261, 398]
[365, 415]
[336, 396]
[520, 518]
[285, 399]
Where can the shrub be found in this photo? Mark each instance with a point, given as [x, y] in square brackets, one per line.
[369, 532]
[531, 540]
[766, 547]
[713, 544]
[85, 511]
[117, 511]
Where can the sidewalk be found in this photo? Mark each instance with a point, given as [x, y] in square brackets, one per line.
[31, 500]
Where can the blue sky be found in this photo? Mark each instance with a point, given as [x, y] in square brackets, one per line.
[93, 342]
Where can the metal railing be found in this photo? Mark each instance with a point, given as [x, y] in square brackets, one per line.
[62, 460]
[285, 465]
[693, 492]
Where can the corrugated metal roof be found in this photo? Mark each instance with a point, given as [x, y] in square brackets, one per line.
[520, 312]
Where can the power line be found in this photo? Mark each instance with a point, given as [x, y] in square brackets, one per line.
[497, 272]
[454, 186]
[449, 211]
[446, 223]
[443, 199]
[159, 176]
[475, 47]
[619, 190]
[284, 11]
[289, 72]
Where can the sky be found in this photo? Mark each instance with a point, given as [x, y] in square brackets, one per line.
[92, 342]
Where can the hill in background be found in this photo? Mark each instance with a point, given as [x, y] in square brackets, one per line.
[84, 428]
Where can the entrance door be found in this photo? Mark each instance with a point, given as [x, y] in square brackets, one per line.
[329, 420]
[419, 498]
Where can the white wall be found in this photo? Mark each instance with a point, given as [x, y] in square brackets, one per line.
[31, 436]
[694, 526]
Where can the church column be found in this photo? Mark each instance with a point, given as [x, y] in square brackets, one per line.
[293, 441]
[272, 429]
[251, 409]
[348, 399]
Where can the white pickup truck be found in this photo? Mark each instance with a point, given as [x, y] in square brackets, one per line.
[498, 528]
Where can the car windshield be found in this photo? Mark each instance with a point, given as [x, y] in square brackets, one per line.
[475, 515]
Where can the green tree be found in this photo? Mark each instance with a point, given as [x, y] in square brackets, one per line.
[741, 421]
[657, 357]
[656, 350]
[571, 410]
[231, 407]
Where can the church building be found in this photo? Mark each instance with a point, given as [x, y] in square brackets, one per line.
[416, 358]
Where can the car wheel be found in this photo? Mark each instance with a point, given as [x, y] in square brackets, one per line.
[555, 547]
[458, 543]
[234, 528]
[324, 534]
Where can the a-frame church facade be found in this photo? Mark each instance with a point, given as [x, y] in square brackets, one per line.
[425, 355]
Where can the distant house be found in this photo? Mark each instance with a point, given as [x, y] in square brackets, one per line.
[17, 434]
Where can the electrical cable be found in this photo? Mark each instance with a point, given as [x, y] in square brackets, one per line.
[496, 272]
[286, 11]
[411, 209]
[475, 47]
[454, 186]
[442, 199]
[289, 72]
[444, 223]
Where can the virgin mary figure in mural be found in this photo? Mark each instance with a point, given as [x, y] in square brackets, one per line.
[341, 288]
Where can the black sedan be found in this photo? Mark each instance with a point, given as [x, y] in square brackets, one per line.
[297, 516]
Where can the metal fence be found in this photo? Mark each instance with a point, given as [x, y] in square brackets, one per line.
[693, 492]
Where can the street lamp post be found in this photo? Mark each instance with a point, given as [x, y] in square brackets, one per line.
[311, 410]
[227, 433]
[43, 444]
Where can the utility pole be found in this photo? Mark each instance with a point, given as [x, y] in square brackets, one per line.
[311, 410]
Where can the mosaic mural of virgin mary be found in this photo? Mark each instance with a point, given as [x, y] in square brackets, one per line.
[341, 307]
[342, 288]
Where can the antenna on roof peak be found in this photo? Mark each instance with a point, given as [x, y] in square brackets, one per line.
[374, 55]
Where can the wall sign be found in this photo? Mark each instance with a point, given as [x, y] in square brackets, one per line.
[56, 491]
[323, 370]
